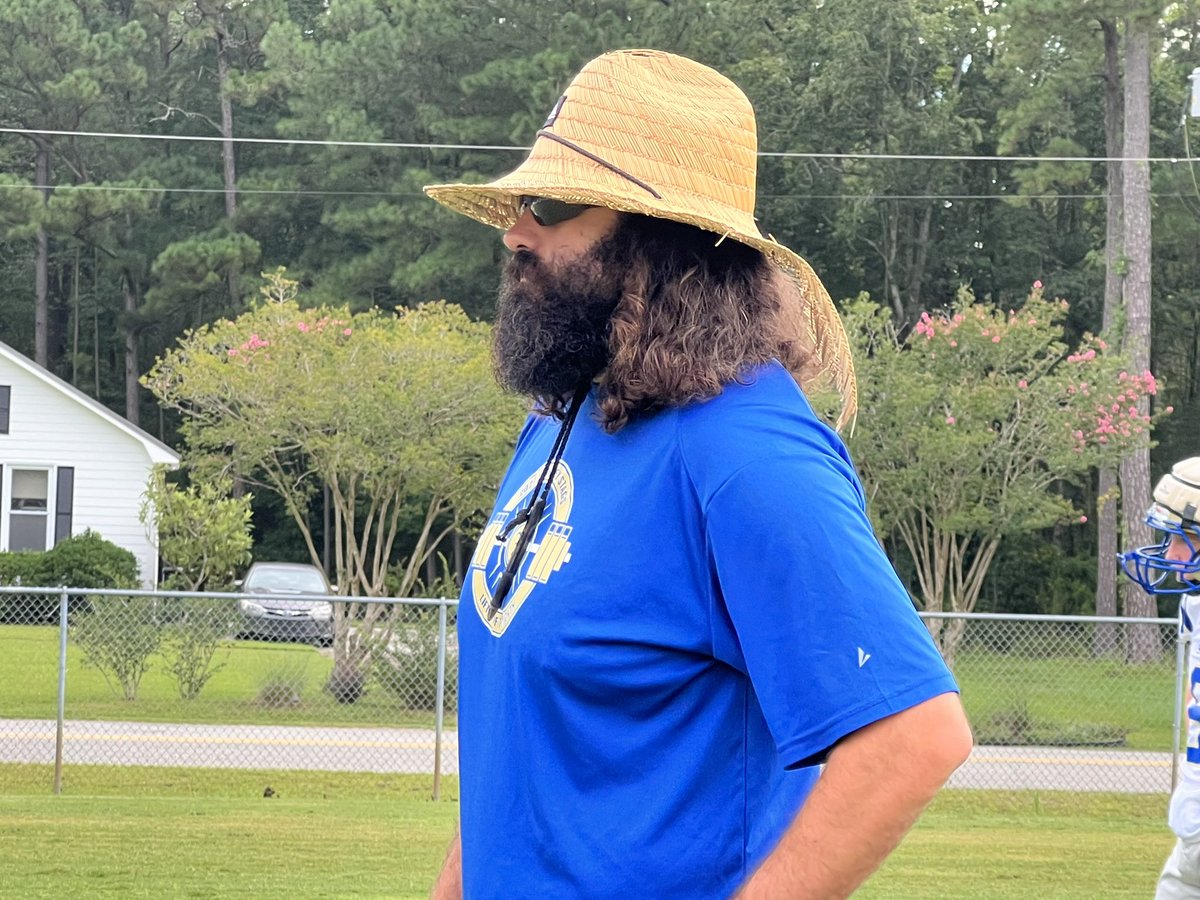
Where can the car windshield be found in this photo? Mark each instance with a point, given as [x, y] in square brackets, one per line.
[300, 581]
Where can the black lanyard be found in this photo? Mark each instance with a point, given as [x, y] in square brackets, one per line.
[531, 514]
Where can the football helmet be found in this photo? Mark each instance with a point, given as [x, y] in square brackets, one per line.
[1174, 512]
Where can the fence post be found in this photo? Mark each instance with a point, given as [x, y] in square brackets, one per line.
[62, 690]
[440, 701]
[1181, 688]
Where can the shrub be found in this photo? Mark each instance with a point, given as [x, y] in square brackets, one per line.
[118, 635]
[283, 686]
[87, 560]
[199, 627]
[25, 568]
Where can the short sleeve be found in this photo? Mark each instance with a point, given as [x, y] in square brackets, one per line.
[805, 600]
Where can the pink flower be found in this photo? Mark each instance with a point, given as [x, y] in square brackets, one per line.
[1037, 285]
[954, 343]
[950, 420]
[1082, 519]
[1022, 384]
[346, 331]
[1170, 409]
[302, 326]
[996, 339]
[232, 351]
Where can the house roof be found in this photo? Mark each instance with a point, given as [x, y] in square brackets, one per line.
[156, 449]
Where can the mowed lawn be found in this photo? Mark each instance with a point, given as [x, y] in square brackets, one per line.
[214, 834]
[245, 671]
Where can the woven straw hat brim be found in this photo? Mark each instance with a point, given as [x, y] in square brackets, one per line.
[642, 131]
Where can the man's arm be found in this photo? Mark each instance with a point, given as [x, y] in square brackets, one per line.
[875, 784]
[449, 882]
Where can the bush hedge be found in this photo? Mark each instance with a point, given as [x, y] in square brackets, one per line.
[85, 561]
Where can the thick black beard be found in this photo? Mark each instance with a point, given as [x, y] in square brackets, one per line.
[551, 329]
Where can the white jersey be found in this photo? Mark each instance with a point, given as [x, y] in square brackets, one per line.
[1184, 815]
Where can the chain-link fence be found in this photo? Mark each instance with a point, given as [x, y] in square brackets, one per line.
[1075, 703]
[369, 684]
[227, 681]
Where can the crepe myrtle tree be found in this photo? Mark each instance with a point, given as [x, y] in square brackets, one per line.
[202, 531]
[396, 414]
[967, 422]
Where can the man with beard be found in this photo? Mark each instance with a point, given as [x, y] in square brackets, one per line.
[678, 610]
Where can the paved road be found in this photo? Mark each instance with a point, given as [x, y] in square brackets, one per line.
[228, 746]
[412, 750]
[1066, 769]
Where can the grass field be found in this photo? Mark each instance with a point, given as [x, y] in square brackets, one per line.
[1070, 694]
[214, 834]
[29, 673]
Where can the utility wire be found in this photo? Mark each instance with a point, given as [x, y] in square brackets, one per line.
[504, 147]
[304, 192]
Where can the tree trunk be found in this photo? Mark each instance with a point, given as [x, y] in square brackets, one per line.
[41, 307]
[1105, 639]
[1135, 469]
[132, 363]
[228, 163]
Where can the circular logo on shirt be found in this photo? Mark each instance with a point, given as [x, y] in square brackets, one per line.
[548, 549]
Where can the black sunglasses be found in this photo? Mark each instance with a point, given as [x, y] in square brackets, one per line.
[548, 211]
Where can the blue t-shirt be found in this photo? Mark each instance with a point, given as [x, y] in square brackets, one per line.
[702, 612]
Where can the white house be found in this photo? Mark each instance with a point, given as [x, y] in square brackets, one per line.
[68, 463]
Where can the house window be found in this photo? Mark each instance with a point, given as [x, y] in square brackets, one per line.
[5, 402]
[29, 509]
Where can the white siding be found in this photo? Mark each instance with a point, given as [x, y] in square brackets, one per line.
[49, 427]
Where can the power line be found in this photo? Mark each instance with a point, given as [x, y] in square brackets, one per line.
[141, 189]
[412, 195]
[209, 138]
[396, 145]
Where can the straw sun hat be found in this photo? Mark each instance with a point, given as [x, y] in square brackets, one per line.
[648, 132]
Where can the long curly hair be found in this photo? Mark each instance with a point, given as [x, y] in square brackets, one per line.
[692, 318]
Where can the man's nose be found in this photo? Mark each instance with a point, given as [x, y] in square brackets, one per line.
[523, 235]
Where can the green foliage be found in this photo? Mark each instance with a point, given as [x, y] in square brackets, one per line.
[383, 409]
[1033, 574]
[198, 628]
[393, 413]
[968, 423]
[87, 560]
[84, 560]
[203, 533]
[118, 636]
[26, 567]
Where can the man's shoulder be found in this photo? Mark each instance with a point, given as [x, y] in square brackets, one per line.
[766, 397]
[764, 417]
